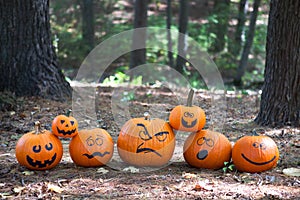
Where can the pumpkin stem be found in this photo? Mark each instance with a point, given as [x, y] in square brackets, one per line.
[254, 133]
[37, 127]
[189, 102]
[147, 115]
[68, 113]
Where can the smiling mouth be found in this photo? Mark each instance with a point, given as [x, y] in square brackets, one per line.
[66, 132]
[146, 150]
[187, 125]
[258, 163]
[39, 163]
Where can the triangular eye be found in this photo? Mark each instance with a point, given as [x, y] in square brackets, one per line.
[62, 121]
[72, 122]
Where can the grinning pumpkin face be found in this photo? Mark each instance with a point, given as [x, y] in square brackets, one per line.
[144, 142]
[255, 154]
[187, 118]
[39, 151]
[207, 149]
[91, 148]
[64, 126]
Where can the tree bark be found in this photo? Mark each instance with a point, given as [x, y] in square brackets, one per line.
[169, 36]
[280, 100]
[246, 51]
[88, 24]
[28, 64]
[236, 45]
[182, 43]
[138, 57]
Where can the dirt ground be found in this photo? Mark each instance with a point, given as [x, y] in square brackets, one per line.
[115, 181]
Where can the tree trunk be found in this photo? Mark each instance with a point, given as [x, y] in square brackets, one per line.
[88, 23]
[236, 45]
[182, 43]
[246, 51]
[219, 28]
[138, 57]
[27, 58]
[280, 100]
[169, 36]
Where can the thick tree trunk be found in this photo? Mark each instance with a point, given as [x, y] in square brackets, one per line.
[219, 29]
[88, 24]
[247, 47]
[182, 43]
[280, 100]
[138, 57]
[27, 58]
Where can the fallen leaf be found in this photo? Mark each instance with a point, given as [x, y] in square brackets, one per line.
[131, 169]
[54, 188]
[28, 173]
[102, 171]
[199, 187]
[188, 175]
[18, 189]
[291, 171]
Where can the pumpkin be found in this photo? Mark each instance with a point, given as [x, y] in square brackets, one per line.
[91, 148]
[39, 149]
[207, 149]
[146, 142]
[255, 153]
[65, 126]
[187, 118]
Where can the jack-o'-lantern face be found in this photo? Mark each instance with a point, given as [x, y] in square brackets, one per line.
[145, 142]
[64, 126]
[255, 154]
[91, 148]
[39, 151]
[207, 149]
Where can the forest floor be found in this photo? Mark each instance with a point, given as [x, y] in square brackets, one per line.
[176, 181]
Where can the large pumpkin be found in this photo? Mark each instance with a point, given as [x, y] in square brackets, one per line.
[207, 149]
[255, 153]
[146, 142]
[64, 126]
[187, 118]
[91, 148]
[39, 149]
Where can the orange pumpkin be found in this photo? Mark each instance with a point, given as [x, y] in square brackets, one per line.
[255, 153]
[187, 118]
[39, 149]
[64, 126]
[146, 142]
[91, 148]
[207, 149]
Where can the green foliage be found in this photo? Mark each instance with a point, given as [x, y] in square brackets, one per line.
[228, 167]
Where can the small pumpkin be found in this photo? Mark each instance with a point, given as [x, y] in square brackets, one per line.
[65, 126]
[91, 147]
[256, 153]
[207, 149]
[39, 149]
[187, 118]
[146, 142]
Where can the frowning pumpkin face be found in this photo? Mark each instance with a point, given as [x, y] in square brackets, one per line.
[255, 154]
[64, 126]
[145, 142]
[91, 148]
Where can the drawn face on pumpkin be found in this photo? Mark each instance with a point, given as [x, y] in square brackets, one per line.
[255, 153]
[207, 149]
[152, 142]
[91, 148]
[64, 126]
[39, 152]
